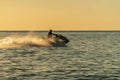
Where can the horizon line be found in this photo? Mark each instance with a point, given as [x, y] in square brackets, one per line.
[63, 30]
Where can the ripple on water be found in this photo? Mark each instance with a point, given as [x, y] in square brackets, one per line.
[89, 56]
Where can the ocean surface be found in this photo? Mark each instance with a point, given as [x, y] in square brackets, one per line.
[88, 56]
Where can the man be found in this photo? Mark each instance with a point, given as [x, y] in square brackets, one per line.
[50, 34]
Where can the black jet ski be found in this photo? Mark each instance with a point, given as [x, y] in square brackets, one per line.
[59, 40]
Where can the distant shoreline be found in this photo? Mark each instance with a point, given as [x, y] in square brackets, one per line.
[60, 30]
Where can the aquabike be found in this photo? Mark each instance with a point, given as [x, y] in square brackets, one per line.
[57, 39]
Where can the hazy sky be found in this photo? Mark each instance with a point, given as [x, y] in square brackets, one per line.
[60, 14]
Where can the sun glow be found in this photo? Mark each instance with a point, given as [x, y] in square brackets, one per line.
[59, 14]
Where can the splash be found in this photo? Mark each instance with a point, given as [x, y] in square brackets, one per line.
[17, 41]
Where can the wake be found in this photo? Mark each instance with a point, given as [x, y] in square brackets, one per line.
[24, 41]
[18, 41]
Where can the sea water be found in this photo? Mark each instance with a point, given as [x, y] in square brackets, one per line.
[88, 56]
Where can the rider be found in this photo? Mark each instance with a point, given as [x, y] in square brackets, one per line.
[50, 34]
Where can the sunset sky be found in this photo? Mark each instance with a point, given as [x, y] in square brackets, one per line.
[60, 14]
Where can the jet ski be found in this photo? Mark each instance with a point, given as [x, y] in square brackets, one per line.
[57, 39]
[60, 40]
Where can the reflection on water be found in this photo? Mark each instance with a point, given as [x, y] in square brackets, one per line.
[89, 56]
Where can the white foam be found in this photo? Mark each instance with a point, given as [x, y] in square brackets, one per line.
[20, 41]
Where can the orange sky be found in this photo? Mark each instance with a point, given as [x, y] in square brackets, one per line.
[59, 14]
